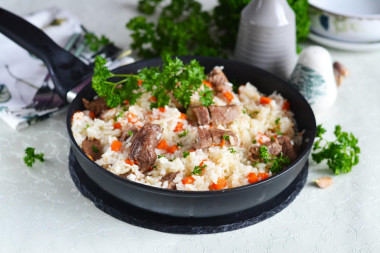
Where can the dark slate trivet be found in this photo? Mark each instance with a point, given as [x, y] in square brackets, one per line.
[142, 218]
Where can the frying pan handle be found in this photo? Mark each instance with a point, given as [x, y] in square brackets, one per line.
[65, 69]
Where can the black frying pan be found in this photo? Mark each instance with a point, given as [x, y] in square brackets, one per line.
[70, 74]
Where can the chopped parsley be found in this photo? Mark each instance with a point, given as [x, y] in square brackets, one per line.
[179, 144]
[276, 163]
[130, 133]
[94, 149]
[160, 156]
[186, 154]
[254, 114]
[244, 111]
[279, 133]
[184, 133]
[272, 138]
[277, 121]
[254, 141]
[206, 96]
[226, 137]
[341, 154]
[198, 170]
[233, 151]
[30, 156]
[87, 126]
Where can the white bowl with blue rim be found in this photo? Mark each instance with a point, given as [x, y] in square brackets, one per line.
[346, 20]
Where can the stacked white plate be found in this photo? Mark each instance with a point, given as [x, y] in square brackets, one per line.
[346, 24]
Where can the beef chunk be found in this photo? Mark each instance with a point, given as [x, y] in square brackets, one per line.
[218, 80]
[209, 137]
[287, 147]
[274, 148]
[202, 115]
[97, 106]
[143, 146]
[170, 177]
[223, 114]
[204, 139]
[219, 134]
[92, 148]
[281, 144]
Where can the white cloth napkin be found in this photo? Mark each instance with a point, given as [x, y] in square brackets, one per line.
[21, 74]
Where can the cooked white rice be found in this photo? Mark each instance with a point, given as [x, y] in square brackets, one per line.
[254, 119]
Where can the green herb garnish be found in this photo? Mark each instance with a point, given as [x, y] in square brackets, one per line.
[179, 144]
[276, 163]
[95, 43]
[206, 96]
[30, 157]
[198, 170]
[94, 149]
[254, 141]
[130, 133]
[184, 133]
[277, 121]
[175, 77]
[87, 126]
[226, 137]
[160, 156]
[186, 154]
[341, 154]
[279, 133]
[233, 151]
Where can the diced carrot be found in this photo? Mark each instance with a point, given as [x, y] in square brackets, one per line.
[179, 127]
[132, 118]
[222, 143]
[228, 95]
[172, 149]
[192, 150]
[188, 180]
[201, 164]
[262, 138]
[263, 175]
[265, 100]
[91, 115]
[286, 105]
[139, 82]
[252, 178]
[90, 158]
[130, 162]
[220, 184]
[162, 144]
[161, 109]
[182, 116]
[207, 83]
[117, 125]
[116, 146]
[154, 99]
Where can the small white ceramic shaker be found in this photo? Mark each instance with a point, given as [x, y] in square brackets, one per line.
[313, 76]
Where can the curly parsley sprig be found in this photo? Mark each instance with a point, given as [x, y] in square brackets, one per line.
[30, 156]
[341, 154]
[173, 78]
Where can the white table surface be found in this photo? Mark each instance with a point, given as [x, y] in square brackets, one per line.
[42, 211]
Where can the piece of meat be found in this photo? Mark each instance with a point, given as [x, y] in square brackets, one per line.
[287, 147]
[274, 148]
[204, 139]
[92, 148]
[209, 137]
[170, 177]
[125, 131]
[218, 80]
[202, 115]
[223, 114]
[97, 106]
[143, 146]
[229, 137]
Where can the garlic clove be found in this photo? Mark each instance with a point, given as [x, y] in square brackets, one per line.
[324, 182]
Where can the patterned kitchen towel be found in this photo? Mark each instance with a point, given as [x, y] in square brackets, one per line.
[22, 74]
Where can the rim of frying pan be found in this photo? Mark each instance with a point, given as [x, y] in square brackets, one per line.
[151, 62]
